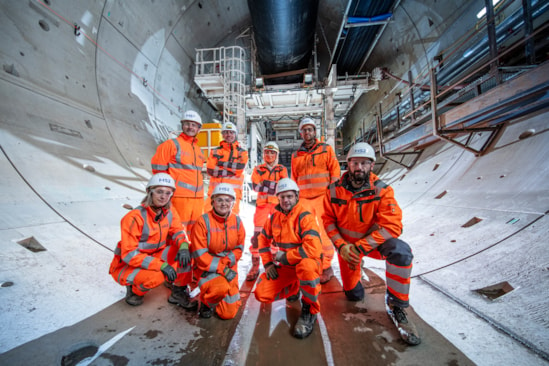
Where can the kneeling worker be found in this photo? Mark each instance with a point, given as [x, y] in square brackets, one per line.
[153, 245]
[217, 244]
[297, 265]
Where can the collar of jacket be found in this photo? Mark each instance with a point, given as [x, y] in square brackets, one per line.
[220, 218]
[157, 216]
[297, 205]
[303, 148]
[192, 140]
[227, 146]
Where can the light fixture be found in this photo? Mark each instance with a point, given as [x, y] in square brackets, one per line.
[308, 79]
[259, 83]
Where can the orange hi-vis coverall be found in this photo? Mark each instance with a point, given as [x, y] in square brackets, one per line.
[148, 240]
[183, 160]
[264, 181]
[295, 233]
[226, 164]
[313, 170]
[370, 218]
[217, 243]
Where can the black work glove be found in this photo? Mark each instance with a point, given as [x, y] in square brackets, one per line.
[169, 272]
[229, 274]
[183, 256]
[270, 271]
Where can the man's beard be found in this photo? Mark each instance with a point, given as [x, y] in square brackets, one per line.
[359, 177]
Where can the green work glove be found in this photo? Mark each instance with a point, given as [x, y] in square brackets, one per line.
[168, 271]
[229, 274]
[350, 253]
[183, 256]
[270, 271]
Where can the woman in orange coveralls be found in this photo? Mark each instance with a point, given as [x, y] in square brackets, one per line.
[217, 244]
[153, 241]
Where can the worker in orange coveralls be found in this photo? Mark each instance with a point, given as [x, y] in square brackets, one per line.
[226, 164]
[363, 218]
[217, 244]
[153, 243]
[296, 267]
[183, 160]
[314, 167]
[264, 180]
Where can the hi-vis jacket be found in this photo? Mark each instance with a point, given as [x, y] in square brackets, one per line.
[295, 233]
[264, 181]
[145, 232]
[217, 242]
[183, 160]
[314, 169]
[367, 217]
[226, 165]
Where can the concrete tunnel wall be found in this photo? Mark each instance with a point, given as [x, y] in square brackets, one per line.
[78, 128]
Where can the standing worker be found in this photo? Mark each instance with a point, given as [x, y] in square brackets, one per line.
[226, 164]
[264, 180]
[183, 160]
[153, 243]
[296, 267]
[363, 218]
[314, 167]
[217, 245]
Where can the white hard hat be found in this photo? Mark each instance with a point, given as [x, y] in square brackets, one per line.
[224, 188]
[361, 150]
[305, 122]
[161, 179]
[192, 116]
[286, 184]
[229, 126]
[271, 145]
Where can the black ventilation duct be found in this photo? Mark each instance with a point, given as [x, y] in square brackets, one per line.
[284, 37]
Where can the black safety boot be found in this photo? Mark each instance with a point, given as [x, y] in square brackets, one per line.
[180, 296]
[406, 327]
[326, 275]
[254, 271]
[305, 323]
[132, 298]
[205, 311]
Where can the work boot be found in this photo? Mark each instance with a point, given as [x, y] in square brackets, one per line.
[132, 298]
[180, 296]
[406, 328]
[254, 271]
[305, 323]
[326, 275]
[205, 311]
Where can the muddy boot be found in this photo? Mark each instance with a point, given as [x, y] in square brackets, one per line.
[254, 271]
[326, 275]
[305, 323]
[406, 327]
[132, 298]
[205, 311]
[180, 296]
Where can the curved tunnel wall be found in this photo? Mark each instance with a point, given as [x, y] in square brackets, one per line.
[79, 127]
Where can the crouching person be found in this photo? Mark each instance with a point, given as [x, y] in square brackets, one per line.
[297, 266]
[153, 244]
[217, 243]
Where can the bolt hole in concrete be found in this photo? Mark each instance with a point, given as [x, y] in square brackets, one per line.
[31, 244]
[495, 291]
[89, 168]
[441, 195]
[436, 166]
[44, 25]
[6, 284]
[75, 357]
[475, 220]
[127, 206]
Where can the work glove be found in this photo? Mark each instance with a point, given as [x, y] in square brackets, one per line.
[229, 274]
[183, 256]
[270, 271]
[281, 257]
[350, 253]
[168, 271]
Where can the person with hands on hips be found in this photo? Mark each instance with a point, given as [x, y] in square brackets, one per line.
[296, 267]
[153, 245]
[217, 244]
